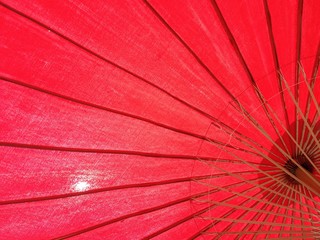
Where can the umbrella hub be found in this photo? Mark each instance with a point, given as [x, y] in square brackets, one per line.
[295, 164]
[302, 168]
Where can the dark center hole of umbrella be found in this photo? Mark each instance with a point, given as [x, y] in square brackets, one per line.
[292, 167]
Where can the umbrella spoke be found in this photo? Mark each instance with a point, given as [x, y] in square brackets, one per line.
[199, 213]
[113, 188]
[233, 43]
[294, 234]
[197, 120]
[285, 219]
[311, 97]
[315, 141]
[293, 139]
[255, 186]
[121, 152]
[261, 171]
[273, 224]
[232, 210]
[273, 211]
[92, 150]
[276, 61]
[91, 52]
[247, 70]
[299, 112]
[259, 215]
[303, 221]
[108, 189]
[297, 66]
[153, 10]
[134, 214]
[99, 107]
[301, 148]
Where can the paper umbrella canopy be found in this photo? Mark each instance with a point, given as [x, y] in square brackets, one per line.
[183, 119]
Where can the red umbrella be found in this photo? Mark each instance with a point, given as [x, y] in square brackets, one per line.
[166, 119]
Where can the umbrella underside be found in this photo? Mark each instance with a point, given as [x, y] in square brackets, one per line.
[159, 119]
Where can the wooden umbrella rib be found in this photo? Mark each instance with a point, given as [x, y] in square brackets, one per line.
[315, 153]
[261, 171]
[233, 43]
[275, 58]
[308, 180]
[102, 151]
[297, 66]
[175, 224]
[315, 69]
[190, 50]
[260, 185]
[112, 188]
[251, 197]
[266, 216]
[91, 52]
[240, 207]
[251, 209]
[251, 222]
[290, 135]
[196, 57]
[316, 220]
[306, 123]
[257, 216]
[254, 146]
[225, 160]
[102, 190]
[303, 221]
[227, 228]
[116, 152]
[205, 67]
[294, 234]
[314, 122]
[292, 212]
[246, 68]
[249, 182]
[240, 233]
[121, 218]
[177, 130]
[289, 218]
[131, 215]
[301, 148]
[311, 97]
[265, 134]
[311, 150]
[270, 217]
[286, 216]
[209, 226]
[289, 192]
[216, 7]
[281, 150]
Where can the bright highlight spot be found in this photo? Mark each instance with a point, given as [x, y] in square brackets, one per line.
[81, 186]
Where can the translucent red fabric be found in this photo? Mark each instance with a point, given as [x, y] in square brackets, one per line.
[165, 119]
